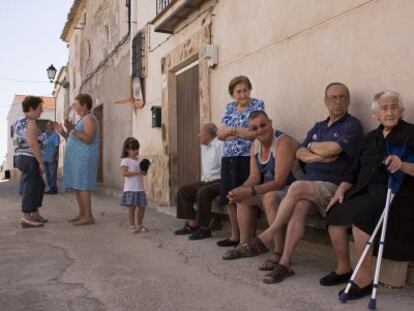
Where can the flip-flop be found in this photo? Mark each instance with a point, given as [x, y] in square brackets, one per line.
[279, 273]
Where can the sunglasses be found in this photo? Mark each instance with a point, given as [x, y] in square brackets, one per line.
[254, 128]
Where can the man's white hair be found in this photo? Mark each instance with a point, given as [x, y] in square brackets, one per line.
[387, 93]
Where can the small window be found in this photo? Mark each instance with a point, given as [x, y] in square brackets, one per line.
[12, 131]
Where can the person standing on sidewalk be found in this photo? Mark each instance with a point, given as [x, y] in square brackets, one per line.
[29, 160]
[133, 195]
[51, 157]
[80, 165]
[203, 192]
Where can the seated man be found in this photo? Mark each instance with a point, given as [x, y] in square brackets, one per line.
[365, 186]
[328, 150]
[204, 191]
[272, 158]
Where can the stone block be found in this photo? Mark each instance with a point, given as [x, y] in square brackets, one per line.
[393, 273]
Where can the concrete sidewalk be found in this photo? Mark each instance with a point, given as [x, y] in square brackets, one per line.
[104, 267]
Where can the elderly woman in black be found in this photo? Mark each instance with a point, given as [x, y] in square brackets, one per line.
[360, 198]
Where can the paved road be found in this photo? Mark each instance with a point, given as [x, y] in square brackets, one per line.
[104, 267]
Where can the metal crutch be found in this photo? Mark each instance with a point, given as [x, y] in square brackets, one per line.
[344, 295]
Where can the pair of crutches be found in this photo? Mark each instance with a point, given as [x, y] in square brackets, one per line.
[394, 183]
[372, 305]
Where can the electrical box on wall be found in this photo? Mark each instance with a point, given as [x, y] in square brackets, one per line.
[210, 52]
[156, 116]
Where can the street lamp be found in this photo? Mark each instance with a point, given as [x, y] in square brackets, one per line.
[51, 73]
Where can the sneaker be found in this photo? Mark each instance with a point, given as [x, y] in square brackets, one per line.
[26, 223]
[40, 219]
[356, 292]
[142, 228]
[334, 279]
[200, 234]
[187, 229]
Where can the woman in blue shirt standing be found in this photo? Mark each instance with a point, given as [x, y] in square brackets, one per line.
[237, 140]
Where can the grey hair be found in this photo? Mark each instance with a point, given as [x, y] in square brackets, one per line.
[210, 128]
[387, 93]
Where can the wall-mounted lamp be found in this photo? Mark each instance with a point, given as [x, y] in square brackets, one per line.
[51, 73]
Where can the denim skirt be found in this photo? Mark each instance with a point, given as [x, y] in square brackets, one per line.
[134, 198]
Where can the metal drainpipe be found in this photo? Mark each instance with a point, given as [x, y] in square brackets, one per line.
[132, 30]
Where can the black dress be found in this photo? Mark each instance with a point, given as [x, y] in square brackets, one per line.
[365, 201]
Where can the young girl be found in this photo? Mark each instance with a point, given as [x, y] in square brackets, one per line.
[134, 194]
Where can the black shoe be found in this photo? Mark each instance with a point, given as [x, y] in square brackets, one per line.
[51, 192]
[227, 243]
[200, 234]
[355, 292]
[187, 229]
[335, 279]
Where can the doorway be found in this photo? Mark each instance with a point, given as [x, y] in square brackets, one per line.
[188, 125]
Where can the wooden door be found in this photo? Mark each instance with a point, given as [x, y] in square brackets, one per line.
[188, 125]
[98, 111]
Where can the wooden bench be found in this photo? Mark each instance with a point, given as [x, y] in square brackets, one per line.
[393, 273]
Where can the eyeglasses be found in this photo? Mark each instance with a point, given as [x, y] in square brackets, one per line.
[254, 128]
[334, 98]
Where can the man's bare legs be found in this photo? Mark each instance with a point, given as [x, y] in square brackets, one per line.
[298, 191]
[295, 230]
[271, 205]
[246, 217]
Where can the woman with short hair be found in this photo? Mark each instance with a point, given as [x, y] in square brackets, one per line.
[29, 160]
[237, 139]
[80, 165]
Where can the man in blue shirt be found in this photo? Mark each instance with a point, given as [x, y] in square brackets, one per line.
[51, 157]
[327, 151]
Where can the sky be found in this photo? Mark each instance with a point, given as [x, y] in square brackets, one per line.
[30, 41]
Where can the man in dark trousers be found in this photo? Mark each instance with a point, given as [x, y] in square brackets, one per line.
[202, 192]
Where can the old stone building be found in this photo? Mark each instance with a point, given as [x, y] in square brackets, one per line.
[186, 51]
[97, 33]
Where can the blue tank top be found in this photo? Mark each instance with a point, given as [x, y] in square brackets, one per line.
[267, 168]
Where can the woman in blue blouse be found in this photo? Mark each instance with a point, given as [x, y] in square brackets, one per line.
[81, 159]
[237, 140]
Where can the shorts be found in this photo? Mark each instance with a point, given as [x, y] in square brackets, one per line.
[324, 191]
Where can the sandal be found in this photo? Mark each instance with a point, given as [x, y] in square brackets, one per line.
[240, 252]
[271, 263]
[84, 222]
[279, 273]
[142, 228]
[257, 245]
[77, 218]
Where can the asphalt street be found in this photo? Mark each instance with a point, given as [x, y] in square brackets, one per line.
[105, 267]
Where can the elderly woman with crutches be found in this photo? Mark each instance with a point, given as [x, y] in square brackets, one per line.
[360, 199]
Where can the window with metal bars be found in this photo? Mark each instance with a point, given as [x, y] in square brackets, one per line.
[162, 4]
[138, 52]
